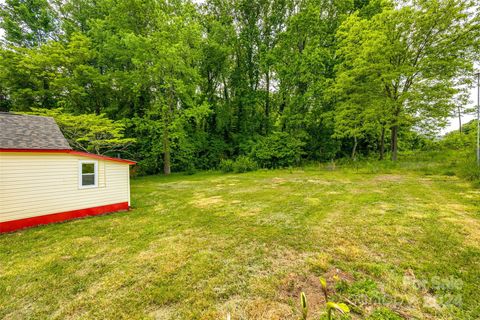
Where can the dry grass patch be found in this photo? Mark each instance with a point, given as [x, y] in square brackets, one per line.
[388, 178]
[249, 212]
[258, 308]
[203, 202]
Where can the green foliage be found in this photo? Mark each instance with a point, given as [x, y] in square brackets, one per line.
[89, 132]
[241, 165]
[280, 81]
[383, 314]
[366, 290]
[27, 23]
[395, 72]
[468, 169]
[226, 165]
[332, 307]
[464, 140]
[278, 150]
[461, 149]
[323, 283]
[244, 164]
[304, 305]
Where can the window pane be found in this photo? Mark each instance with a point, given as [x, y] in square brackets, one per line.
[88, 179]
[88, 168]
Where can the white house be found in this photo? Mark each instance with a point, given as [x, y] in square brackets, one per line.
[42, 180]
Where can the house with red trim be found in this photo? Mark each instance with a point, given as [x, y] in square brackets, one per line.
[42, 180]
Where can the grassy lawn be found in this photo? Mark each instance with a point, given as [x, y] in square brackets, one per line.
[392, 243]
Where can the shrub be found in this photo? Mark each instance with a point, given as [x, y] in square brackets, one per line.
[226, 165]
[278, 150]
[190, 169]
[244, 164]
[469, 170]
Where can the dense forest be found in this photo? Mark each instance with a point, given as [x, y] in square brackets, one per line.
[183, 85]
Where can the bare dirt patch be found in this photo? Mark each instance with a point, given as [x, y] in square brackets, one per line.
[335, 275]
[294, 284]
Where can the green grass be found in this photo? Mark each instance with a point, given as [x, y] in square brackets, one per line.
[394, 242]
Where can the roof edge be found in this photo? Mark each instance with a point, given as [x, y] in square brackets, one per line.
[70, 151]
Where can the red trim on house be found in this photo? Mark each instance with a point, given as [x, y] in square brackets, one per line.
[78, 153]
[96, 156]
[36, 150]
[8, 226]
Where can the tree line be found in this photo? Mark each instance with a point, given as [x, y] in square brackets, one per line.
[281, 81]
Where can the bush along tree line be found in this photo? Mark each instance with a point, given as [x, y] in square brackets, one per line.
[239, 84]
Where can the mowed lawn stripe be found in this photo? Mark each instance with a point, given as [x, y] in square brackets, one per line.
[197, 247]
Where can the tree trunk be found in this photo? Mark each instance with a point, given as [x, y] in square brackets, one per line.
[168, 118]
[394, 143]
[45, 98]
[166, 152]
[459, 119]
[382, 143]
[267, 103]
[225, 91]
[354, 150]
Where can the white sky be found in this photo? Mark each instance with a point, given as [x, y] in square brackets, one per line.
[453, 125]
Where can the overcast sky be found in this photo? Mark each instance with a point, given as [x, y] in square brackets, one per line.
[453, 125]
[466, 118]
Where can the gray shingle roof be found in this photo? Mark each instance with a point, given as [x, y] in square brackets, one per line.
[30, 132]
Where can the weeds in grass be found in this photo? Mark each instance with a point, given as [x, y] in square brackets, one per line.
[304, 306]
[331, 306]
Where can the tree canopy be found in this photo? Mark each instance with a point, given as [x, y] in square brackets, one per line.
[181, 84]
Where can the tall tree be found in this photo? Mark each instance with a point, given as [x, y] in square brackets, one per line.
[28, 23]
[305, 61]
[169, 56]
[415, 50]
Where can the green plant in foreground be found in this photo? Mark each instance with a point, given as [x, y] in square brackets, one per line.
[303, 303]
[340, 307]
[331, 306]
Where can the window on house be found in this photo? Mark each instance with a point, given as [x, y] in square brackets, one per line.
[88, 174]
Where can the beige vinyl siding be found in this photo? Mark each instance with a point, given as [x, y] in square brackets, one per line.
[33, 184]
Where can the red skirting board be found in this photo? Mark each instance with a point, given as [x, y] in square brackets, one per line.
[8, 226]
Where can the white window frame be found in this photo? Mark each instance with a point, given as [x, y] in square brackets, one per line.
[80, 174]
